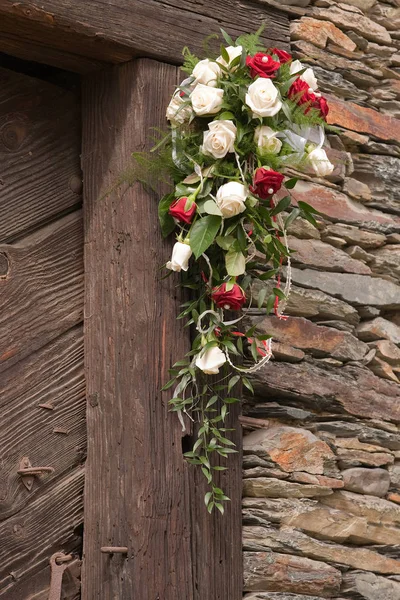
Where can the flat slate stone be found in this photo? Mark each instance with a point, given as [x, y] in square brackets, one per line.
[271, 571]
[355, 289]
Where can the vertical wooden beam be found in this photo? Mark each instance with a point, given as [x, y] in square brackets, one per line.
[140, 493]
[216, 538]
[136, 492]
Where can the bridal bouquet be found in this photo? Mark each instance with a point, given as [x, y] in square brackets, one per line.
[237, 123]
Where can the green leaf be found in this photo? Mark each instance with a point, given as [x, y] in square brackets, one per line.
[267, 275]
[282, 205]
[261, 297]
[241, 238]
[203, 234]
[232, 382]
[207, 498]
[279, 293]
[270, 304]
[220, 507]
[224, 54]
[290, 183]
[235, 263]
[227, 38]
[293, 215]
[225, 241]
[211, 208]
[166, 221]
[247, 384]
[226, 116]
[169, 384]
[308, 208]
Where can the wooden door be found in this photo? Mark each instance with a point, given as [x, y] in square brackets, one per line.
[42, 390]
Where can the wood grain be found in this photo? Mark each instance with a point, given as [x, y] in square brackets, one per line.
[41, 296]
[116, 30]
[45, 526]
[54, 376]
[139, 490]
[217, 539]
[136, 492]
[39, 126]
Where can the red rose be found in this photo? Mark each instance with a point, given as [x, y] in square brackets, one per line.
[301, 93]
[266, 182]
[263, 65]
[283, 56]
[232, 299]
[177, 210]
[322, 106]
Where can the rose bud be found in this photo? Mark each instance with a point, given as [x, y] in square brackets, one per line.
[232, 299]
[283, 56]
[263, 65]
[178, 211]
[301, 93]
[180, 257]
[322, 105]
[211, 360]
[266, 182]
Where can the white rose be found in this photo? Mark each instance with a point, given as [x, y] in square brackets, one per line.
[211, 360]
[180, 257]
[206, 100]
[266, 139]
[206, 72]
[308, 75]
[320, 162]
[233, 52]
[263, 98]
[220, 138]
[231, 199]
[177, 111]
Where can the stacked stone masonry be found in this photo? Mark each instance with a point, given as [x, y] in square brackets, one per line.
[321, 496]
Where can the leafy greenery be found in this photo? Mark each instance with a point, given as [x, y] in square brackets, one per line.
[226, 248]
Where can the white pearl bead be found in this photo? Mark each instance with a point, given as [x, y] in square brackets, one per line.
[226, 306]
[270, 191]
[264, 59]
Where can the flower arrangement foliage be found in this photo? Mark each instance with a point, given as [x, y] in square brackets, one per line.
[237, 123]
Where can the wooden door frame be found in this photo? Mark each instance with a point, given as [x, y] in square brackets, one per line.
[88, 38]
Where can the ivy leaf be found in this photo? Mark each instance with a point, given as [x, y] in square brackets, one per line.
[235, 263]
[203, 234]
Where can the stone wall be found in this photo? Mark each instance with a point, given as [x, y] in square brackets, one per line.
[322, 444]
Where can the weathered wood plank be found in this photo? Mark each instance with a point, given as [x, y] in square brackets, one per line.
[39, 125]
[116, 30]
[216, 538]
[41, 294]
[45, 526]
[52, 376]
[136, 492]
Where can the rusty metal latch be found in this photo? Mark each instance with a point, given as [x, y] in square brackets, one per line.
[28, 473]
[58, 562]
